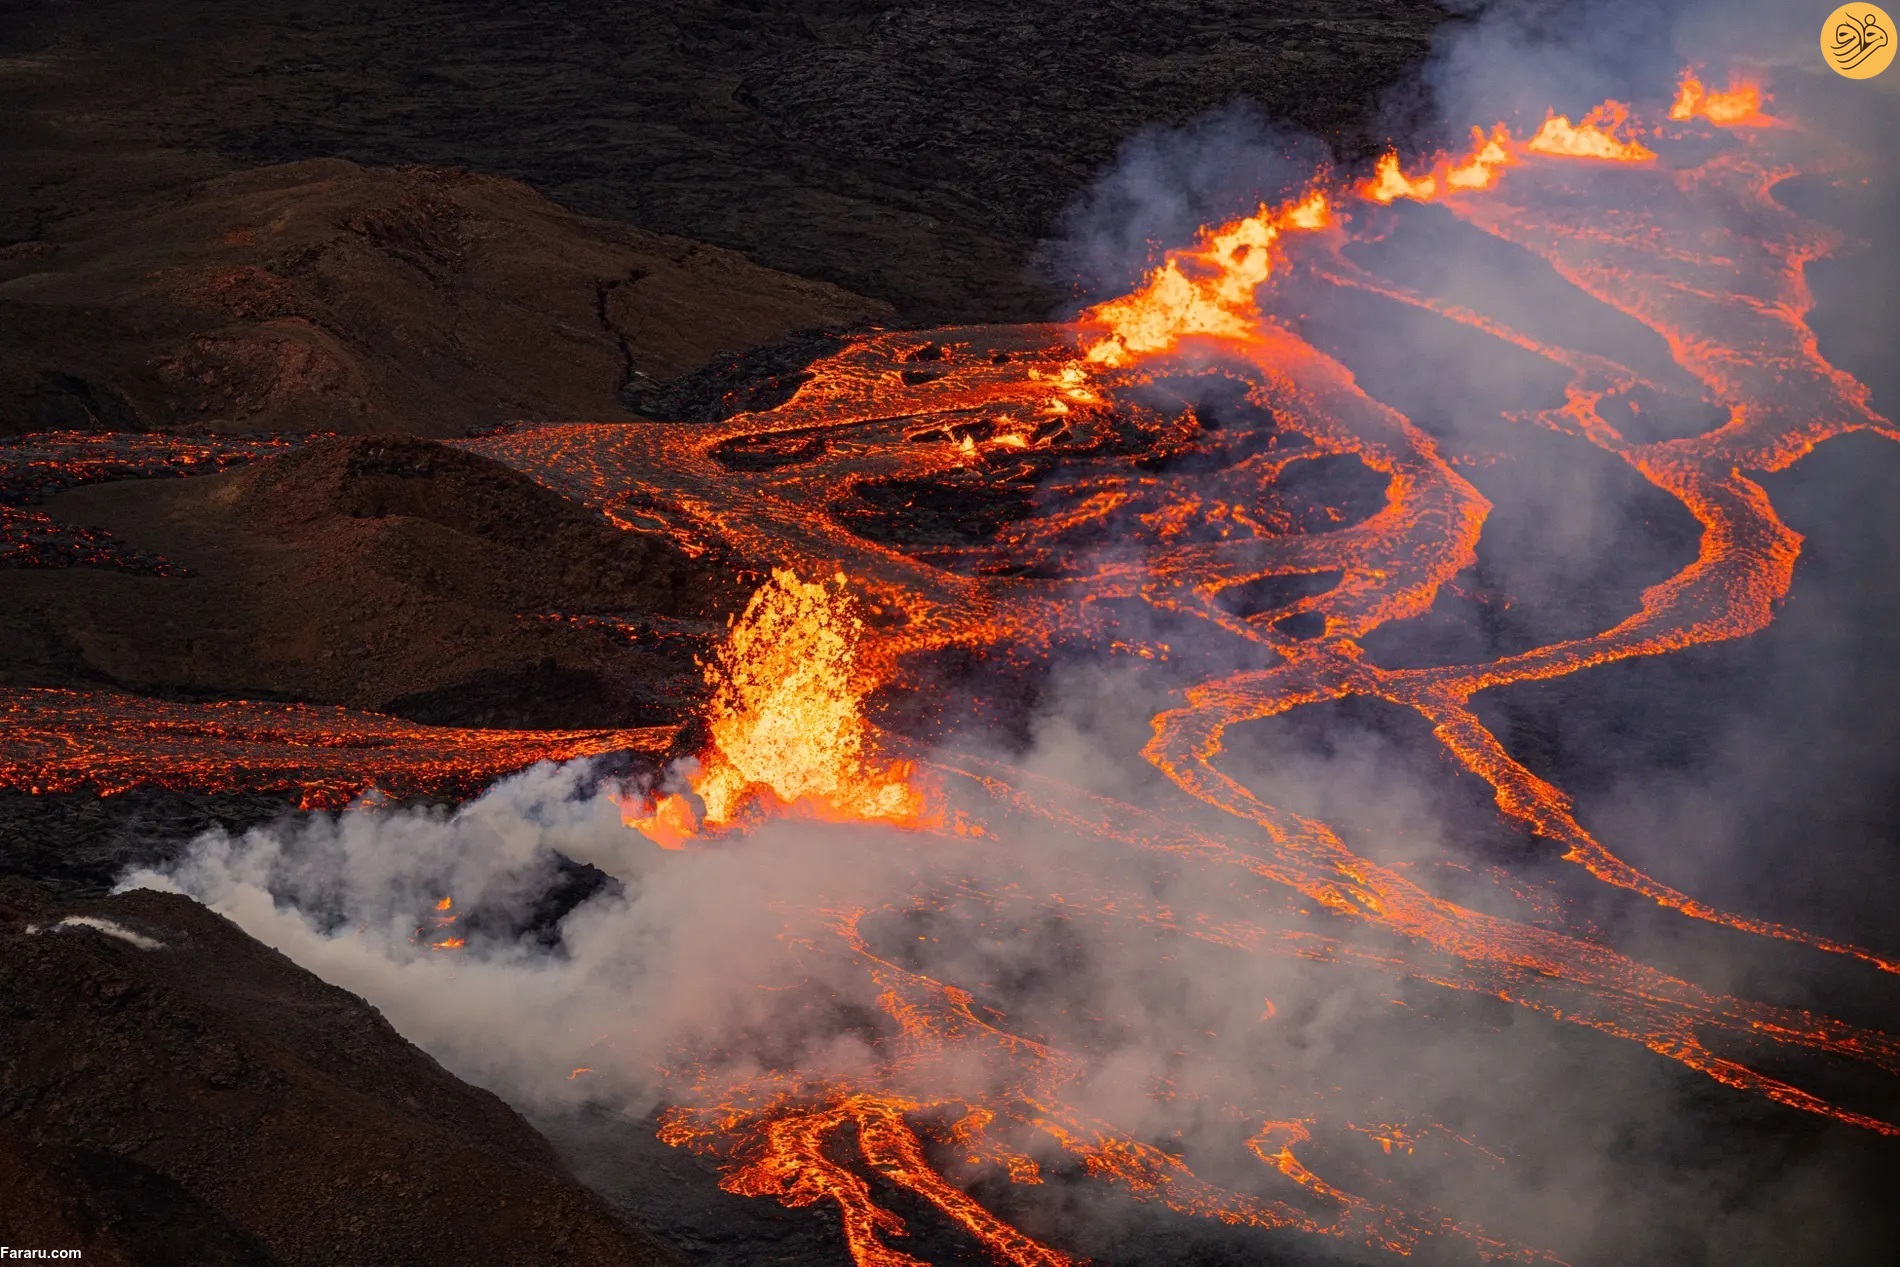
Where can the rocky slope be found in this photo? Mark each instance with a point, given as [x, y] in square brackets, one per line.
[395, 575]
[323, 296]
[173, 1092]
[914, 151]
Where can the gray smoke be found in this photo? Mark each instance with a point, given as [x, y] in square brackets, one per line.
[1754, 775]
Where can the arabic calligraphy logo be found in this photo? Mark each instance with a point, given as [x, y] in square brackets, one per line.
[1857, 40]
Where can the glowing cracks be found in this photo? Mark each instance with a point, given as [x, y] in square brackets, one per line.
[438, 931]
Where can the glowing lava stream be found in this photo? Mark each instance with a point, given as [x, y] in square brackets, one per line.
[58, 741]
[1080, 415]
[1750, 349]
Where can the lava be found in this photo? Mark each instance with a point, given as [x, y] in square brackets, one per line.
[438, 931]
[1205, 291]
[62, 741]
[1740, 105]
[1595, 137]
[1034, 475]
[785, 722]
[37, 466]
[1490, 153]
[1390, 183]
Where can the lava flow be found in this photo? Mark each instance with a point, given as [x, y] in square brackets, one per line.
[62, 741]
[1739, 105]
[1008, 496]
[35, 467]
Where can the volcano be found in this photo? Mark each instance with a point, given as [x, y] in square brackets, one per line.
[1154, 785]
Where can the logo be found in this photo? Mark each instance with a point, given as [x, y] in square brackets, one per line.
[1857, 40]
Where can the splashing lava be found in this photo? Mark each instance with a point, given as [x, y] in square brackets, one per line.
[1627, 210]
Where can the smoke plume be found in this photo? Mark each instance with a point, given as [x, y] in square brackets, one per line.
[1753, 775]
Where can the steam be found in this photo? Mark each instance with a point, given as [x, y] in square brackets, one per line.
[684, 950]
[1166, 184]
[1548, 1135]
[713, 953]
[97, 924]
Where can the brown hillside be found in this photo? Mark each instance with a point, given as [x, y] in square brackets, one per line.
[397, 575]
[201, 1099]
[326, 296]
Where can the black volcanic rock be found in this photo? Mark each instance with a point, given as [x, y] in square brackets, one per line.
[914, 152]
[759, 378]
[172, 1091]
[325, 296]
[77, 844]
[114, 1210]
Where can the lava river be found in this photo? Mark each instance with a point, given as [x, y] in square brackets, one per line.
[1114, 521]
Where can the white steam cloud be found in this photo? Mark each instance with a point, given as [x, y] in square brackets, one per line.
[716, 953]
[97, 924]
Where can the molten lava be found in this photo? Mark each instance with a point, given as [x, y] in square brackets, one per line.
[1595, 137]
[1035, 474]
[1490, 153]
[1739, 106]
[1205, 291]
[1389, 183]
[60, 741]
[786, 721]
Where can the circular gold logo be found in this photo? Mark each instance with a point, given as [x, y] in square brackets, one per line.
[1857, 40]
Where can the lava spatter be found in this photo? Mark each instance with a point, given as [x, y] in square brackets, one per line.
[1600, 135]
[1102, 494]
[785, 722]
[1739, 105]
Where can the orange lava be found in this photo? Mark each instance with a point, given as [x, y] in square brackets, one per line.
[1074, 418]
[1596, 137]
[786, 722]
[1389, 184]
[793, 1165]
[1489, 155]
[1203, 299]
[1738, 106]
[60, 741]
[1204, 291]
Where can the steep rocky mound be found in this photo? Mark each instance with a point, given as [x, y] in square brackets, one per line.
[544, 550]
[326, 296]
[172, 1091]
[394, 575]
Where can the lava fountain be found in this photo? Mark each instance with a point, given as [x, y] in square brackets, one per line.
[1008, 494]
[785, 727]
